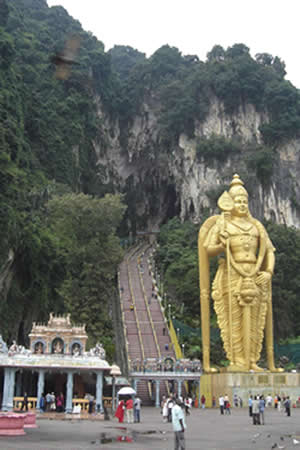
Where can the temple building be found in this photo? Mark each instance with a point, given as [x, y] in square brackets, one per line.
[57, 361]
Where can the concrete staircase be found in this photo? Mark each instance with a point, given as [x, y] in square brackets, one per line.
[146, 330]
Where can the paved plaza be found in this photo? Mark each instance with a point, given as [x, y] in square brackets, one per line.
[207, 429]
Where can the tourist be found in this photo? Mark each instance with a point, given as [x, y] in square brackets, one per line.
[170, 404]
[25, 402]
[278, 402]
[287, 405]
[227, 408]
[235, 400]
[179, 425]
[120, 411]
[255, 410]
[90, 399]
[48, 402]
[226, 400]
[203, 400]
[60, 403]
[214, 402]
[221, 404]
[76, 408]
[165, 409]
[187, 406]
[52, 403]
[129, 410]
[137, 410]
[250, 404]
[269, 401]
[42, 403]
[261, 406]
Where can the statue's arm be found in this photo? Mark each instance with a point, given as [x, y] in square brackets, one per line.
[270, 261]
[213, 244]
[267, 269]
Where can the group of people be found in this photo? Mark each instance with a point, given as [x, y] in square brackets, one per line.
[224, 404]
[132, 408]
[174, 409]
[167, 405]
[51, 402]
[257, 404]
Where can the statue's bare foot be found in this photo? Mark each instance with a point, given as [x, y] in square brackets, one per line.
[276, 369]
[256, 368]
[209, 369]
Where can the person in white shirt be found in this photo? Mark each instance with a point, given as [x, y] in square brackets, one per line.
[269, 401]
[221, 404]
[179, 425]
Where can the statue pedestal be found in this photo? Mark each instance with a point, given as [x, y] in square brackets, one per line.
[246, 384]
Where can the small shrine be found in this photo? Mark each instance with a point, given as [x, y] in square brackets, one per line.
[59, 336]
[56, 361]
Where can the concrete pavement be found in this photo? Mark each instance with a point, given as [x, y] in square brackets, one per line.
[207, 429]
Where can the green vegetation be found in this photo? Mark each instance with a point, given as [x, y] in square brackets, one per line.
[48, 129]
[216, 147]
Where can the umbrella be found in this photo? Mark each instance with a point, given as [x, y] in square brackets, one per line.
[127, 390]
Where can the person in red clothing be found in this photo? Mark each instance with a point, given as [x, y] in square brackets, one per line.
[129, 410]
[120, 411]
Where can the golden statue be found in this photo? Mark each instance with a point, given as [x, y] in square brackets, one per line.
[241, 290]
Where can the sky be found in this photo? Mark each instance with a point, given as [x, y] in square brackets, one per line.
[194, 26]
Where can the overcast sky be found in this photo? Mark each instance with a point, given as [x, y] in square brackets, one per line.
[194, 26]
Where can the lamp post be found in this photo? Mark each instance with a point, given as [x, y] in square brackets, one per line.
[169, 312]
[178, 334]
[182, 350]
[114, 371]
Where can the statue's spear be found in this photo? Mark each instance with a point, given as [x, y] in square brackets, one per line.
[226, 204]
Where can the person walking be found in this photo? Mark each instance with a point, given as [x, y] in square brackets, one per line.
[235, 400]
[165, 410]
[42, 403]
[179, 426]
[255, 410]
[60, 403]
[129, 410]
[221, 404]
[203, 400]
[269, 401]
[227, 408]
[261, 406]
[170, 405]
[120, 411]
[48, 401]
[287, 405]
[250, 404]
[137, 409]
[25, 402]
[278, 403]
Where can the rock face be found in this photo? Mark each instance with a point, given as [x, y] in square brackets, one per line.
[159, 183]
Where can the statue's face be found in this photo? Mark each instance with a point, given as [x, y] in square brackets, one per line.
[240, 205]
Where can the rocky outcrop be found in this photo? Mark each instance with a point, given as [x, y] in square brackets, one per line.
[162, 184]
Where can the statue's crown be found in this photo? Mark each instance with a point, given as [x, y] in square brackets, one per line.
[237, 187]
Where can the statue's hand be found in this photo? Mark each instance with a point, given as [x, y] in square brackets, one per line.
[263, 278]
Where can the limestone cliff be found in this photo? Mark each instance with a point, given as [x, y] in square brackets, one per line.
[161, 183]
